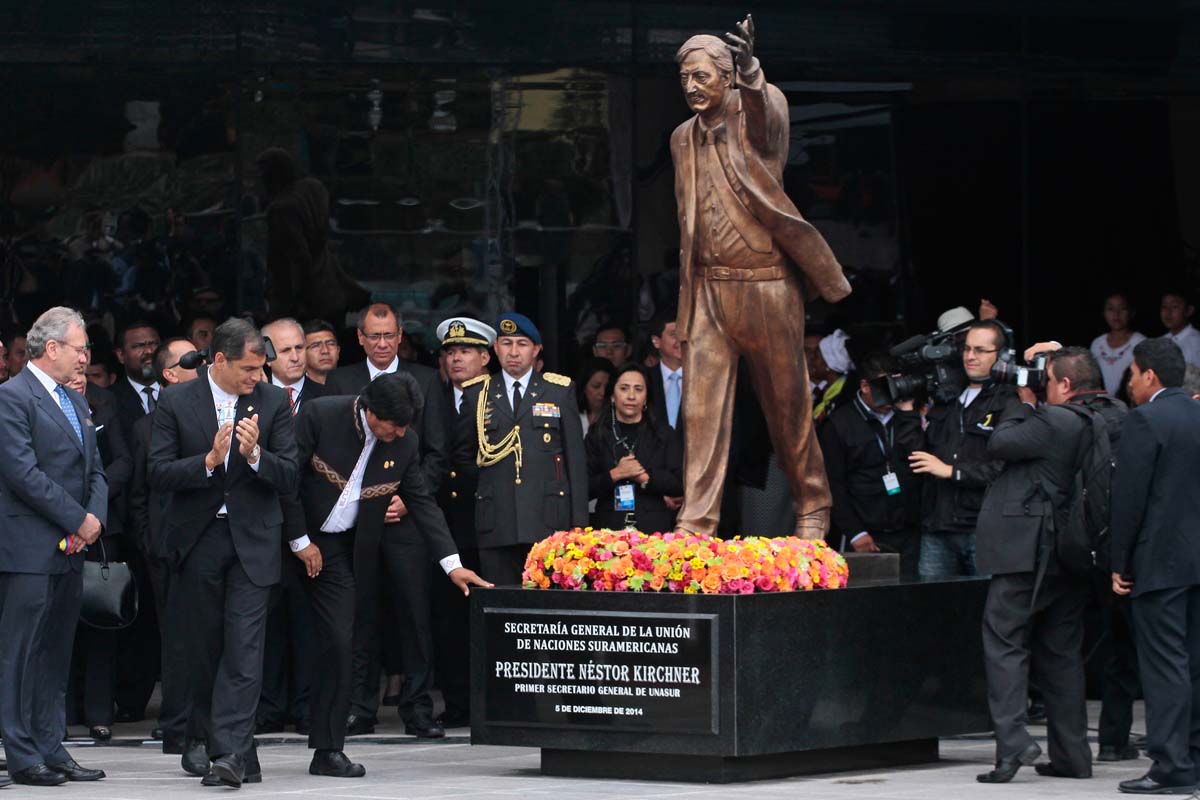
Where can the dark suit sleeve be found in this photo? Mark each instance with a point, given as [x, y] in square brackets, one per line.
[295, 523]
[424, 511]
[1021, 436]
[119, 471]
[97, 497]
[22, 475]
[1136, 462]
[576, 459]
[435, 450]
[166, 471]
[278, 466]
[466, 438]
[845, 520]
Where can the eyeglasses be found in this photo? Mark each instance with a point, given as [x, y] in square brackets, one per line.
[376, 338]
[87, 348]
[324, 344]
[979, 351]
[609, 345]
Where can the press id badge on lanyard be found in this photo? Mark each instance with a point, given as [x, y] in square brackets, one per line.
[891, 482]
[623, 497]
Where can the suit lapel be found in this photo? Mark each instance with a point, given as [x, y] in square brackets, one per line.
[533, 396]
[50, 405]
[500, 403]
[204, 407]
[247, 406]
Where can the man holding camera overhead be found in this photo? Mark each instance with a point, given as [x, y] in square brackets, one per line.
[955, 455]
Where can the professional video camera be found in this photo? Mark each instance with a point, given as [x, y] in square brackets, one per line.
[1032, 375]
[930, 363]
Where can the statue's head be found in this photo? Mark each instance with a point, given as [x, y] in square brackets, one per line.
[705, 72]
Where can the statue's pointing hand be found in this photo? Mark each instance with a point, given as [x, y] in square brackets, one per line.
[742, 43]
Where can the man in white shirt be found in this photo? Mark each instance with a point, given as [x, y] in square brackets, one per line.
[136, 392]
[288, 370]
[1176, 314]
[360, 469]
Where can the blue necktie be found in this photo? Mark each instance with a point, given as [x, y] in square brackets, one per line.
[68, 408]
[673, 397]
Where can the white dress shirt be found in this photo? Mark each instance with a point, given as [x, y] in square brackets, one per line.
[48, 383]
[458, 394]
[141, 392]
[296, 388]
[226, 407]
[374, 371]
[509, 380]
[1188, 340]
[344, 513]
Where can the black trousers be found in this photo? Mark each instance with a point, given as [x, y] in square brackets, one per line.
[287, 660]
[1167, 626]
[503, 565]
[37, 629]
[1047, 634]
[334, 597]
[224, 645]
[1121, 682]
[405, 562]
[139, 648]
[173, 614]
[91, 687]
[451, 620]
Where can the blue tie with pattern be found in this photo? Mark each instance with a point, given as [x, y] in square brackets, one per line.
[68, 408]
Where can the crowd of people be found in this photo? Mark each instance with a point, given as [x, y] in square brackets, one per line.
[305, 532]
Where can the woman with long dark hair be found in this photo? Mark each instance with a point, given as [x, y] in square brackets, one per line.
[634, 460]
[591, 389]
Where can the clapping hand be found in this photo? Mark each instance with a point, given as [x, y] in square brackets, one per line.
[247, 435]
[220, 448]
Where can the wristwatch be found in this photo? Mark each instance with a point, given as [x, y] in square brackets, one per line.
[254, 454]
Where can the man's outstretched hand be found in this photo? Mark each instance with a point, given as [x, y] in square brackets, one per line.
[464, 579]
[742, 43]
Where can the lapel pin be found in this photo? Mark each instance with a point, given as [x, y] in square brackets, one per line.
[249, 408]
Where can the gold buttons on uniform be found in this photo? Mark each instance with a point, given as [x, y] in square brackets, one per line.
[546, 438]
[453, 495]
[453, 474]
[562, 494]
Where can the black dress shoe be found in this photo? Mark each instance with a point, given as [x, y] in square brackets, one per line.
[1051, 771]
[1037, 713]
[123, 715]
[74, 772]
[156, 734]
[424, 729]
[1006, 768]
[195, 757]
[304, 727]
[356, 725]
[1147, 785]
[39, 775]
[1110, 753]
[101, 733]
[229, 769]
[335, 764]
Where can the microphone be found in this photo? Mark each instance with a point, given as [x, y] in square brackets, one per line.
[909, 345]
[193, 359]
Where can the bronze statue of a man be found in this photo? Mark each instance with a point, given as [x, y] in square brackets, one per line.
[738, 294]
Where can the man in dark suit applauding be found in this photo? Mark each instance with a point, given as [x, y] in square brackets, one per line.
[1156, 557]
[225, 447]
[53, 503]
[358, 468]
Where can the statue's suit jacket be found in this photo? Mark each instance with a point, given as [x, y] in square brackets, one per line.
[757, 131]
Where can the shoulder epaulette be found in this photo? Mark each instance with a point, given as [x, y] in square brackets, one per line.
[475, 380]
[555, 378]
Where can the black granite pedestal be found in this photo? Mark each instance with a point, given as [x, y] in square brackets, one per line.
[721, 688]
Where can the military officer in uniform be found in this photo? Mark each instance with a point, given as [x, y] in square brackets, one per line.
[521, 432]
[466, 353]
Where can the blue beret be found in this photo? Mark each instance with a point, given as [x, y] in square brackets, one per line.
[514, 324]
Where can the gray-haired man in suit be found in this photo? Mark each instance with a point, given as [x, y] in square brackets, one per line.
[52, 487]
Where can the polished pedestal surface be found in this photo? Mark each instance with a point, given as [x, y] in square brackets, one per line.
[733, 677]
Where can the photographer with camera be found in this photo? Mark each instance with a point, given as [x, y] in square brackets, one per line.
[955, 453]
[1037, 595]
[876, 498]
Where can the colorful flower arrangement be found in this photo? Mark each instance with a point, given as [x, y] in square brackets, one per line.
[632, 561]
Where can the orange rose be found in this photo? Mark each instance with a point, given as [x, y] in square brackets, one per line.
[658, 582]
[711, 583]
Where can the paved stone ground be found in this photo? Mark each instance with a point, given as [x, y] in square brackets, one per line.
[400, 767]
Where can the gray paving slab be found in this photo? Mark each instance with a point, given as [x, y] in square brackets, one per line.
[406, 769]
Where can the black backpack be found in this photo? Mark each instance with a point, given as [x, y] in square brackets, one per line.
[1083, 537]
